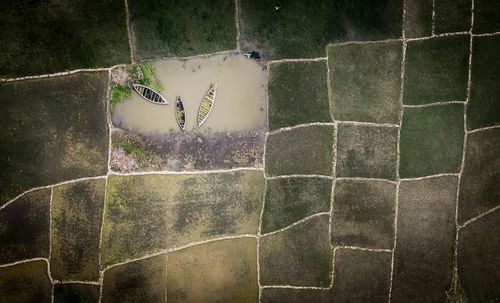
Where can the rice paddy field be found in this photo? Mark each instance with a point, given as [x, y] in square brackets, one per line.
[358, 160]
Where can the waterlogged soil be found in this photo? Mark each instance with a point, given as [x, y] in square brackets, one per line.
[240, 101]
[187, 151]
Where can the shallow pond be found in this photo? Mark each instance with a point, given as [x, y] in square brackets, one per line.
[240, 102]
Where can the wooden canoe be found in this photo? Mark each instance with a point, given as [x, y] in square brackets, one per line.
[149, 94]
[180, 114]
[207, 104]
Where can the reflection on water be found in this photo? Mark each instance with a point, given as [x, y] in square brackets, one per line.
[240, 102]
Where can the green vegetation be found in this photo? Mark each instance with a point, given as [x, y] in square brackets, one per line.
[137, 281]
[221, 271]
[176, 210]
[367, 151]
[362, 276]
[423, 259]
[76, 225]
[484, 105]
[25, 282]
[486, 16]
[182, 27]
[302, 29]
[292, 199]
[452, 16]
[40, 37]
[53, 129]
[139, 74]
[436, 70]
[24, 228]
[304, 150]
[298, 256]
[366, 81]
[136, 149]
[478, 266]
[298, 94]
[418, 18]
[364, 213]
[431, 140]
[145, 74]
[118, 94]
[76, 293]
[480, 178]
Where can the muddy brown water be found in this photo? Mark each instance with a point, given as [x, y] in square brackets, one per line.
[240, 102]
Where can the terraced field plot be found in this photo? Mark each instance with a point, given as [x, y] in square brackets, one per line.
[356, 161]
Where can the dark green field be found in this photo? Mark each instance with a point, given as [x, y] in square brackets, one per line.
[302, 28]
[53, 130]
[297, 94]
[48, 36]
[182, 28]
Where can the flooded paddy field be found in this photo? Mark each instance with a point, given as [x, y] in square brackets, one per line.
[232, 136]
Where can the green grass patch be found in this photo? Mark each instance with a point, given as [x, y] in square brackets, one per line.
[298, 94]
[52, 36]
[486, 16]
[452, 16]
[182, 27]
[431, 140]
[118, 94]
[303, 150]
[418, 18]
[24, 227]
[367, 151]
[26, 282]
[366, 81]
[481, 175]
[289, 200]
[302, 29]
[53, 129]
[298, 256]
[436, 70]
[363, 214]
[484, 104]
[76, 220]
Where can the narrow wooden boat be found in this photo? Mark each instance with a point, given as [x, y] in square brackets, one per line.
[180, 114]
[207, 104]
[149, 94]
